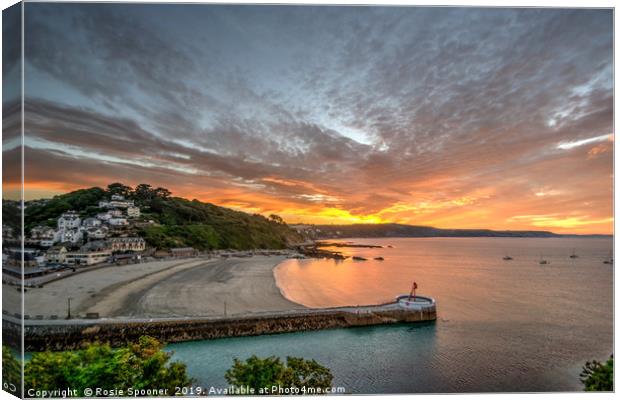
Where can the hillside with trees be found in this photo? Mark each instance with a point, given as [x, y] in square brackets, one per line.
[176, 222]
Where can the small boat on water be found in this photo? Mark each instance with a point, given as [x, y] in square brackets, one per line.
[610, 260]
[379, 258]
[543, 261]
[358, 258]
[507, 258]
[574, 255]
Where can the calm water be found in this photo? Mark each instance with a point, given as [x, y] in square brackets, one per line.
[503, 325]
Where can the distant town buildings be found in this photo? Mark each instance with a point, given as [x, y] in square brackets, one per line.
[81, 240]
[104, 216]
[42, 233]
[183, 252]
[116, 221]
[7, 232]
[127, 244]
[56, 255]
[91, 222]
[133, 212]
[73, 236]
[69, 220]
[88, 258]
[116, 201]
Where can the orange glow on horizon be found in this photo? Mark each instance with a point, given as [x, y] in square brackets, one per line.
[468, 211]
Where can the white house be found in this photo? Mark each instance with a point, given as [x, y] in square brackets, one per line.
[87, 258]
[91, 222]
[127, 243]
[56, 255]
[97, 232]
[69, 220]
[42, 233]
[47, 242]
[133, 212]
[118, 221]
[115, 204]
[68, 235]
[104, 216]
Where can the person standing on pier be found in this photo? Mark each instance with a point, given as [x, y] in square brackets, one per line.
[413, 288]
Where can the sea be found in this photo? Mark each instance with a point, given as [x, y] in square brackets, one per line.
[503, 325]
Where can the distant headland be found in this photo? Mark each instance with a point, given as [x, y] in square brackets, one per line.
[401, 230]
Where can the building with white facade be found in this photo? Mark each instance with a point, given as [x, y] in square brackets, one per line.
[69, 236]
[118, 221]
[69, 220]
[87, 258]
[127, 244]
[91, 222]
[47, 242]
[104, 216]
[133, 212]
[56, 255]
[115, 204]
[42, 233]
[98, 232]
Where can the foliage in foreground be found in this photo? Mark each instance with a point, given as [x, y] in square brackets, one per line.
[143, 365]
[598, 377]
[11, 372]
[259, 373]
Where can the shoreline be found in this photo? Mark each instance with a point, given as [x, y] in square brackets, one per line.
[181, 301]
[279, 286]
[194, 287]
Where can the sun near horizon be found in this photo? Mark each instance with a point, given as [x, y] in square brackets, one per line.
[448, 214]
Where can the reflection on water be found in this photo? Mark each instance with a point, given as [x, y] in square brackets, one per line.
[503, 325]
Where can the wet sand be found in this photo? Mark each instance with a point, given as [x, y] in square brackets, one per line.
[225, 287]
[178, 288]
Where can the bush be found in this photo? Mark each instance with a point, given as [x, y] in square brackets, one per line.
[143, 365]
[263, 373]
[11, 372]
[598, 377]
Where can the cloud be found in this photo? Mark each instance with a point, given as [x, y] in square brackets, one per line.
[582, 142]
[421, 115]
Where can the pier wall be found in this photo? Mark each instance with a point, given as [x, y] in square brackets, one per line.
[73, 334]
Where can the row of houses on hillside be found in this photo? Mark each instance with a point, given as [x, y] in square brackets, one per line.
[71, 229]
[95, 252]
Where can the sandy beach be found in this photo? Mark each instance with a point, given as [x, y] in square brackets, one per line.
[178, 288]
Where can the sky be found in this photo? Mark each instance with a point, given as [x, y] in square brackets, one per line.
[450, 117]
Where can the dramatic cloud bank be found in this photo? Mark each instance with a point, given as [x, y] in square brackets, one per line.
[498, 118]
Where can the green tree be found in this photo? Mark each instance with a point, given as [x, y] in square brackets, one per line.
[119, 189]
[143, 365]
[258, 373]
[143, 193]
[11, 372]
[162, 192]
[598, 377]
[308, 373]
[277, 219]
